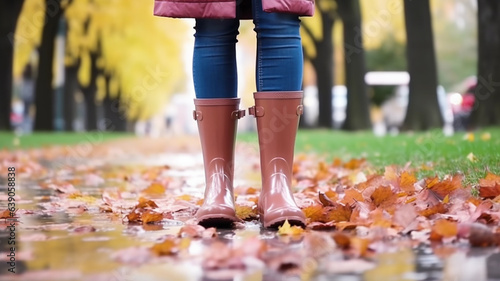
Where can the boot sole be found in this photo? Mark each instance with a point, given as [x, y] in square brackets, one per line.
[217, 222]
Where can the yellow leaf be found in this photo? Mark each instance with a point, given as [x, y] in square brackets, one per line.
[184, 197]
[469, 137]
[286, 229]
[246, 212]
[472, 157]
[446, 199]
[485, 136]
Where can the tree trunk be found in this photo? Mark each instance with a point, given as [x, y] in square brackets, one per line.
[358, 107]
[486, 110]
[114, 116]
[70, 88]
[423, 111]
[89, 95]
[9, 12]
[44, 95]
[323, 65]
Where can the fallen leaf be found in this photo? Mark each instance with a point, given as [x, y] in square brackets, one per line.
[471, 157]
[144, 203]
[325, 200]
[191, 230]
[439, 208]
[287, 229]
[246, 212]
[338, 213]
[150, 216]
[170, 246]
[383, 194]
[354, 164]
[489, 187]
[469, 137]
[446, 186]
[352, 196]
[443, 228]
[314, 213]
[407, 182]
[343, 241]
[486, 136]
[154, 189]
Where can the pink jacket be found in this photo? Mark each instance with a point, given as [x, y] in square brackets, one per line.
[226, 8]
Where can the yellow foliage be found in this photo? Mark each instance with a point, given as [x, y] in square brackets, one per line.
[139, 51]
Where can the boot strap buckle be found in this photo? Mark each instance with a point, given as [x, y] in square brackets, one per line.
[256, 111]
[300, 110]
[237, 114]
[197, 115]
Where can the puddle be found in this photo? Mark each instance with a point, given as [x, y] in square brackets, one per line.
[61, 239]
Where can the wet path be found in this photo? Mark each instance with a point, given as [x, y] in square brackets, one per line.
[73, 227]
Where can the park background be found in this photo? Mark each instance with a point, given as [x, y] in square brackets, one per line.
[89, 65]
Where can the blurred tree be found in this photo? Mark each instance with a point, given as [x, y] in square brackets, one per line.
[423, 109]
[9, 13]
[318, 49]
[139, 54]
[357, 111]
[487, 92]
[44, 96]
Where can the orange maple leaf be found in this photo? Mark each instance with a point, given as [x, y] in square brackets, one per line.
[354, 164]
[407, 182]
[314, 213]
[445, 187]
[338, 213]
[489, 187]
[143, 203]
[342, 240]
[352, 195]
[150, 216]
[443, 228]
[381, 195]
[439, 208]
[154, 189]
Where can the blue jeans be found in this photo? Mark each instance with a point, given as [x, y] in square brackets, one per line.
[279, 62]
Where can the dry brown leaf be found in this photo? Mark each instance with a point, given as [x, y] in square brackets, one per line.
[154, 189]
[445, 187]
[325, 200]
[144, 203]
[489, 187]
[342, 240]
[314, 213]
[407, 182]
[382, 194]
[5, 214]
[443, 228]
[171, 246]
[338, 213]
[354, 164]
[391, 174]
[352, 195]
[150, 216]
[439, 208]
[323, 172]
[246, 212]
[134, 216]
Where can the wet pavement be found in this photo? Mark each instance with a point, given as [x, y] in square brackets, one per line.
[72, 227]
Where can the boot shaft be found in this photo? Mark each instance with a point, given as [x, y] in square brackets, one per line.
[277, 115]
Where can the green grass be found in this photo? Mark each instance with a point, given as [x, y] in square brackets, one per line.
[11, 141]
[446, 155]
